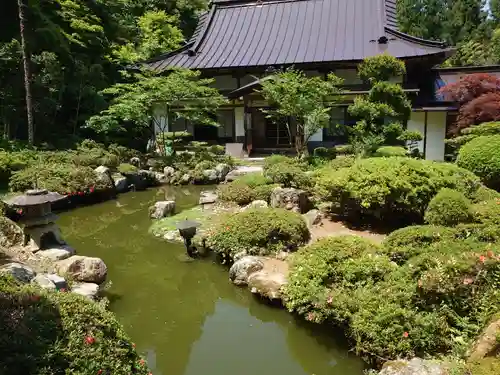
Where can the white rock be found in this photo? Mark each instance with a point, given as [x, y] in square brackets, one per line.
[168, 171]
[208, 197]
[58, 281]
[210, 175]
[255, 204]
[243, 268]
[292, 199]
[85, 269]
[313, 217]
[416, 366]
[267, 284]
[161, 178]
[55, 254]
[19, 271]
[162, 209]
[222, 171]
[44, 282]
[102, 170]
[89, 290]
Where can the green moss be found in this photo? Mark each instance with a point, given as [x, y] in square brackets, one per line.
[160, 227]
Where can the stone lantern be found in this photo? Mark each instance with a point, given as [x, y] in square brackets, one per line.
[37, 219]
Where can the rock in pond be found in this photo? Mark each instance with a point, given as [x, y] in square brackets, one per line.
[121, 183]
[88, 290]
[168, 171]
[162, 209]
[222, 171]
[292, 199]
[161, 178]
[210, 176]
[267, 284]
[44, 282]
[255, 204]
[19, 271]
[104, 175]
[208, 197]
[85, 269]
[59, 253]
[243, 268]
[185, 179]
[416, 366]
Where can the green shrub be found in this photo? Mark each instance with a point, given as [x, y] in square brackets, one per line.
[258, 231]
[127, 169]
[217, 149]
[389, 151]
[487, 212]
[448, 208]
[253, 179]
[61, 178]
[485, 194]
[263, 192]
[325, 153]
[398, 189]
[236, 192]
[61, 333]
[482, 157]
[288, 175]
[418, 236]
[344, 150]
[278, 159]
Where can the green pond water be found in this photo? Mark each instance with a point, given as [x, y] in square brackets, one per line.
[186, 317]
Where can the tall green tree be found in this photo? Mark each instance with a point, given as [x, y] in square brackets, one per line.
[306, 100]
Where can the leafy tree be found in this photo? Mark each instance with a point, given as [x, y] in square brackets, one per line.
[385, 101]
[307, 100]
[422, 18]
[181, 93]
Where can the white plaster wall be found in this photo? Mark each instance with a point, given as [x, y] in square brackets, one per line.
[317, 137]
[239, 121]
[417, 123]
[436, 134]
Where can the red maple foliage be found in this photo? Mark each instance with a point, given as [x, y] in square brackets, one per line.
[478, 96]
[470, 87]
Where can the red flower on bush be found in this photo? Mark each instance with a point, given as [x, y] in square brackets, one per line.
[91, 189]
[142, 362]
[482, 258]
[406, 334]
[35, 298]
[62, 290]
[133, 345]
[89, 340]
[99, 372]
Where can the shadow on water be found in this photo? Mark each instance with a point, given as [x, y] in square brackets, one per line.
[186, 317]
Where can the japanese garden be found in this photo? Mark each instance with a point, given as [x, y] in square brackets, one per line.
[234, 186]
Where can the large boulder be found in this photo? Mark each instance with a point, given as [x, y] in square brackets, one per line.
[267, 284]
[162, 209]
[44, 282]
[487, 343]
[243, 268]
[18, 271]
[88, 290]
[289, 198]
[416, 366]
[104, 175]
[161, 178]
[208, 197]
[313, 218]
[255, 204]
[84, 269]
[169, 172]
[222, 171]
[185, 179]
[55, 254]
[59, 282]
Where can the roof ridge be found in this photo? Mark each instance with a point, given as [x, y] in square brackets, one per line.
[414, 39]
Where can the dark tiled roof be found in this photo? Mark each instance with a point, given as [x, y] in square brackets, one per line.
[244, 33]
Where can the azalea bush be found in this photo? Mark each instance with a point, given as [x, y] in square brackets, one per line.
[397, 189]
[258, 231]
[61, 333]
[246, 189]
[426, 291]
[449, 208]
[481, 156]
[60, 178]
[487, 212]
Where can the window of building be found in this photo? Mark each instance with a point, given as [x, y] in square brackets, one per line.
[336, 131]
[225, 119]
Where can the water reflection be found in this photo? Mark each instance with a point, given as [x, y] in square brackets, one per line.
[186, 317]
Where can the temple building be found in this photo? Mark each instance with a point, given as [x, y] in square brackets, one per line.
[239, 42]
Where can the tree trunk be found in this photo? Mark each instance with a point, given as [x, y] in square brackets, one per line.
[27, 71]
[300, 144]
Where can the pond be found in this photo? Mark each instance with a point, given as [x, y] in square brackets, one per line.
[186, 317]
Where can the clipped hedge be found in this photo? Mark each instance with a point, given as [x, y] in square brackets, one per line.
[448, 208]
[396, 189]
[390, 151]
[258, 231]
[61, 178]
[487, 212]
[482, 157]
[246, 189]
[61, 333]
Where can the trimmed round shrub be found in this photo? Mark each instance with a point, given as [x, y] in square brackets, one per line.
[246, 189]
[61, 333]
[253, 179]
[448, 208]
[344, 150]
[396, 189]
[288, 175]
[325, 153]
[485, 194]
[390, 151]
[487, 212]
[60, 178]
[258, 232]
[482, 156]
[278, 159]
